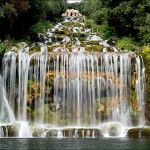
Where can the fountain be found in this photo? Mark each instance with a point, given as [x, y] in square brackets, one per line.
[74, 85]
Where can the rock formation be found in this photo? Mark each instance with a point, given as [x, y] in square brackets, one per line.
[71, 13]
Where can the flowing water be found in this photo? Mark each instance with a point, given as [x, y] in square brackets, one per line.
[62, 88]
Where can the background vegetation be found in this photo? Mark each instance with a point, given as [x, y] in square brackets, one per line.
[17, 16]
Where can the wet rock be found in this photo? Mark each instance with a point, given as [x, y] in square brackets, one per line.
[10, 131]
[133, 133]
[139, 133]
[111, 42]
[38, 132]
[52, 133]
[145, 132]
[19, 46]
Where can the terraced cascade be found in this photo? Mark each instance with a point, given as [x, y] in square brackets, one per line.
[71, 84]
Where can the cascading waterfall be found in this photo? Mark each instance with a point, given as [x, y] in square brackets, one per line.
[80, 82]
[78, 88]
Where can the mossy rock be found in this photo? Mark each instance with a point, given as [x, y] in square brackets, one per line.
[68, 133]
[38, 132]
[12, 131]
[50, 48]
[92, 43]
[53, 39]
[52, 133]
[72, 24]
[133, 133]
[67, 33]
[139, 133]
[59, 31]
[59, 38]
[145, 132]
[49, 43]
[94, 48]
[34, 49]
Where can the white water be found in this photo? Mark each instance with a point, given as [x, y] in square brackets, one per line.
[6, 113]
[1, 132]
[24, 130]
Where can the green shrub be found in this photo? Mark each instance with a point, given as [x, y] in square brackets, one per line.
[89, 23]
[146, 54]
[144, 31]
[100, 16]
[6, 45]
[40, 27]
[2, 48]
[125, 43]
[104, 31]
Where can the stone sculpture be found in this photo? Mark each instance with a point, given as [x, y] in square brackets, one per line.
[71, 13]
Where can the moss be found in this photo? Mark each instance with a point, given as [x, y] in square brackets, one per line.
[94, 48]
[125, 43]
[139, 133]
[34, 49]
[72, 24]
[53, 39]
[59, 31]
[92, 43]
[145, 132]
[133, 133]
[49, 43]
[67, 32]
[50, 48]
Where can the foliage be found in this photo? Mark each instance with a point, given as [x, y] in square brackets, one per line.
[6, 45]
[130, 18]
[104, 30]
[144, 30]
[17, 16]
[89, 23]
[125, 43]
[100, 16]
[39, 27]
[146, 53]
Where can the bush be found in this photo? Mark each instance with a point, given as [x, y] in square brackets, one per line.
[125, 43]
[40, 27]
[100, 16]
[144, 30]
[89, 23]
[104, 31]
[6, 45]
[2, 48]
[146, 53]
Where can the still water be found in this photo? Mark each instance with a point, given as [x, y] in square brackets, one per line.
[64, 144]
